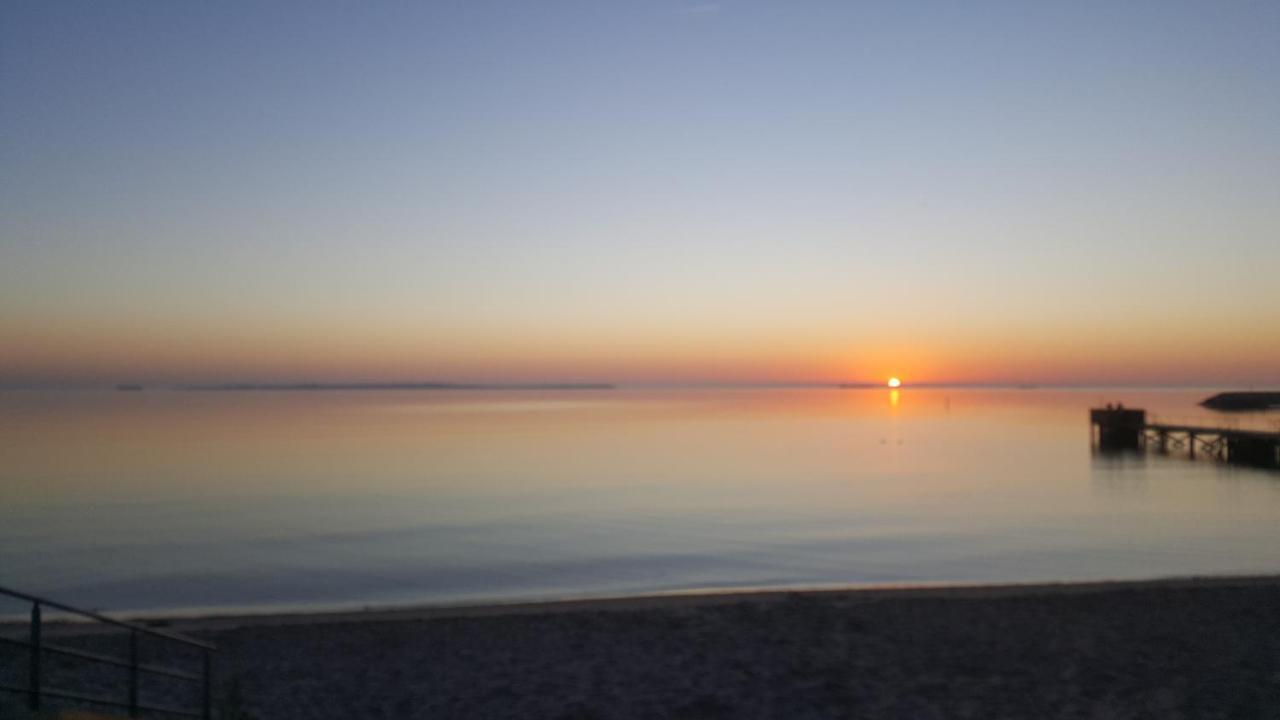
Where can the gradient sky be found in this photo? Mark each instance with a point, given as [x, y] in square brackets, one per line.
[650, 191]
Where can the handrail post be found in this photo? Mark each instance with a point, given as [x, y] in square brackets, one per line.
[133, 673]
[207, 712]
[34, 678]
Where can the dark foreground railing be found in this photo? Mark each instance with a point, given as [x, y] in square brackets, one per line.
[37, 647]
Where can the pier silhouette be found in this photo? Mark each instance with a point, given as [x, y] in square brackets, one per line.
[1120, 428]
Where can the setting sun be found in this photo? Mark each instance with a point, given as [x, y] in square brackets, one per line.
[894, 382]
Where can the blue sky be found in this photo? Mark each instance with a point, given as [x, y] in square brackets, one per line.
[552, 190]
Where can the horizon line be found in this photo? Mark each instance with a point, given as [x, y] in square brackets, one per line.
[391, 385]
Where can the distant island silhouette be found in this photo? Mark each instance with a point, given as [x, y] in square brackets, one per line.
[312, 386]
[1243, 401]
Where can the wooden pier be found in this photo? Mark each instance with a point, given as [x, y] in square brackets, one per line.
[1120, 428]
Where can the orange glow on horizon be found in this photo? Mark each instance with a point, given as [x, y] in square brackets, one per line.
[64, 349]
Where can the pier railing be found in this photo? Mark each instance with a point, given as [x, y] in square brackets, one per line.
[1248, 423]
[38, 648]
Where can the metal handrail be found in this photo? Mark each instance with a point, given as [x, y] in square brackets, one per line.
[109, 621]
[37, 647]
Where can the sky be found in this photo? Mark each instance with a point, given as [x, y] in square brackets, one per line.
[658, 191]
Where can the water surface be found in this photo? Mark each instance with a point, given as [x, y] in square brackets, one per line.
[166, 500]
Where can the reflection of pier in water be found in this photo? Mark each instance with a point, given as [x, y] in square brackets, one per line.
[1120, 428]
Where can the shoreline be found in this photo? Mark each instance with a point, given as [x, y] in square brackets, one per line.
[1166, 647]
[680, 599]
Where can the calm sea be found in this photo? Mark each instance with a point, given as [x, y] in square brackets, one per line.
[168, 500]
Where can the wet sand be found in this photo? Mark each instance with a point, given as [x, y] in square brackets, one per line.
[1206, 648]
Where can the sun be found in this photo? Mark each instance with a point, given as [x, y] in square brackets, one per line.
[895, 382]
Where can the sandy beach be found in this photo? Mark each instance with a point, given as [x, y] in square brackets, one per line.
[1187, 648]
[1178, 648]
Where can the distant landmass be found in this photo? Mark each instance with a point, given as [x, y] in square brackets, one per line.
[1243, 401]
[398, 386]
